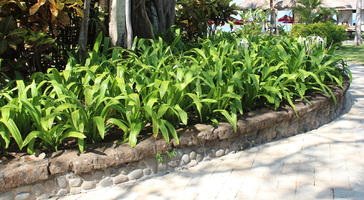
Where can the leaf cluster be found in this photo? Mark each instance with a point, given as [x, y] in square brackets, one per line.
[198, 18]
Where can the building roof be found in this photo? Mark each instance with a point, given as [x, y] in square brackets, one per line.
[286, 4]
[264, 4]
[340, 4]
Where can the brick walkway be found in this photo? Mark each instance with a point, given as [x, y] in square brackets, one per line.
[327, 163]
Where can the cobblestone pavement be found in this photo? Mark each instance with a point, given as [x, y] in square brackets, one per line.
[326, 163]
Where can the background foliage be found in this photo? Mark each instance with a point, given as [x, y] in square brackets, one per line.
[199, 18]
[29, 31]
[334, 34]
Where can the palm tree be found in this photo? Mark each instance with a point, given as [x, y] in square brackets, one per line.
[325, 14]
[358, 39]
[307, 10]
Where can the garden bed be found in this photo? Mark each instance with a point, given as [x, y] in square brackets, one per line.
[69, 171]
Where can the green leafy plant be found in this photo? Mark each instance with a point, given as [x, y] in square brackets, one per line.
[160, 158]
[334, 34]
[199, 18]
[157, 88]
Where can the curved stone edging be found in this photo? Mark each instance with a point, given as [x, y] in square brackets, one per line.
[64, 172]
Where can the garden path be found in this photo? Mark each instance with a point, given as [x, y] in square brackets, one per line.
[326, 163]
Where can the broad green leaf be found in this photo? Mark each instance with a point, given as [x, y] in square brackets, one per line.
[172, 130]
[163, 88]
[182, 114]
[72, 134]
[14, 131]
[118, 123]
[99, 122]
[5, 136]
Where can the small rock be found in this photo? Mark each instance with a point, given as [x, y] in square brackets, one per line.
[147, 172]
[87, 185]
[22, 196]
[62, 192]
[173, 163]
[38, 189]
[227, 151]
[185, 159]
[75, 182]
[220, 152]
[136, 174]
[120, 179]
[192, 163]
[193, 155]
[211, 154]
[199, 157]
[106, 182]
[6, 196]
[75, 190]
[162, 167]
[62, 182]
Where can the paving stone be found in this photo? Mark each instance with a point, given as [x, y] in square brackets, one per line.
[185, 159]
[62, 192]
[120, 179]
[75, 182]
[199, 157]
[106, 182]
[87, 185]
[136, 174]
[193, 155]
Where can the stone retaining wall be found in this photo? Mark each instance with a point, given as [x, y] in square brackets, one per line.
[64, 172]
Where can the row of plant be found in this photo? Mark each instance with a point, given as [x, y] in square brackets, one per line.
[158, 87]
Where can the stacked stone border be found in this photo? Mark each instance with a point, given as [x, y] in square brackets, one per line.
[46, 176]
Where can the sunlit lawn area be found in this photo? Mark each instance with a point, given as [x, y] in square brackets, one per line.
[353, 54]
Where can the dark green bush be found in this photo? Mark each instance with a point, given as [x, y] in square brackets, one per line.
[334, 34]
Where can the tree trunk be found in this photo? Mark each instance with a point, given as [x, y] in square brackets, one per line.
[139, 19]
[142, 27]
[358, 39]
[129, 29]
[117, 25]
[272, 13]
[82, 41]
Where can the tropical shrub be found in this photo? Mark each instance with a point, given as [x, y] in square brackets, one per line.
[156, 87]
[198, 18]
[253, 22]
[29, 30]
[334, 34]
[311, 11]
